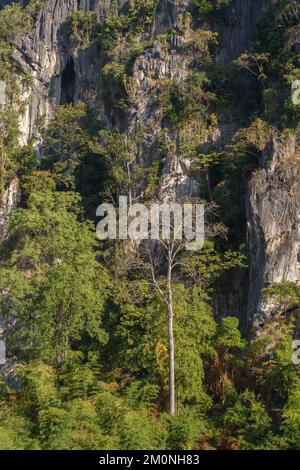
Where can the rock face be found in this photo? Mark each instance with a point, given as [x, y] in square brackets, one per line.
[274, 224]
[9, 201]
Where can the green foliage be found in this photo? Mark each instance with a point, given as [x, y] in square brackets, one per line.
[120, 153]
[125, 172]
[209, 264]
[54, 277]
[9, 133]
[138, 431]
[137, 20]
[248, 420]
[182, 102]
[73, 428]
[286, 294]
[14, 19]
[282, 375]
[67, 142]
[142, 393]
[277, 35]
[234, 168]
[71, 152]
[222, 362]
[80, 379]
[122, 37]
[15, 429]
[291, 419]
[39, 391]
[185, 429]
[228, 336]
[83, 27]
[138, 338]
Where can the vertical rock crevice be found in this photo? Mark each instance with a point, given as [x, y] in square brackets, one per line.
[68, 83]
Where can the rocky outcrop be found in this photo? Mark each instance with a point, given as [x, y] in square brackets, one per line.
[274, 224]
[55, 68]
[8, 201]
[238, 27]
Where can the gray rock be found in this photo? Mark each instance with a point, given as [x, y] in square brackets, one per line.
[273, 213]
[8, 201]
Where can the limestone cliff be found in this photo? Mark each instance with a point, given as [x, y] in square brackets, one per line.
[66, 73]
[273, 224]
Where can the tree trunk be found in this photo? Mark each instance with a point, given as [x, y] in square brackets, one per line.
[172, 403]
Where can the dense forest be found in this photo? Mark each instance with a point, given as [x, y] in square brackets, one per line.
[86, 321]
